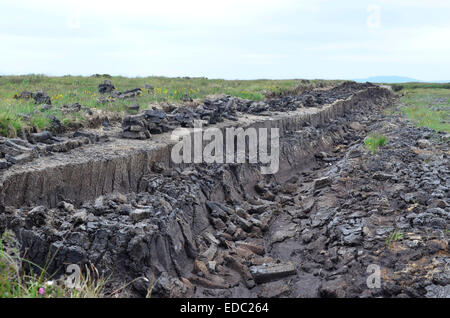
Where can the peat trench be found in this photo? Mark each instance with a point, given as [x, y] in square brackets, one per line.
[207, 230]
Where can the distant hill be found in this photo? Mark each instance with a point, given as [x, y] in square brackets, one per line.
[387, 79]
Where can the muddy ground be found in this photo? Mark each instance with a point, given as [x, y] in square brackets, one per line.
[228, 231]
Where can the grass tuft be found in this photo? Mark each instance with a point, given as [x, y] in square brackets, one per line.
[393, 237]
[374, 141]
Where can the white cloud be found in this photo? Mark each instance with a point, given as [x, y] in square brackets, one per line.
[229, 39]
[436, 4]
[431, 39]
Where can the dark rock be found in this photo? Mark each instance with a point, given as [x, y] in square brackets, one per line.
[244, 224]
[332, 289]
[292, 179]
[354, 153]
[80, 217]
[322, 182]
[56, 124]
[106, 87]
[40, 137]
[269, 272]
[127, 94]
[155, 115]
[22, 158]
[134, 108]
[259, 188]
[136, 127]
[36, 217]
[41, 97]
[308, 204]
[423, 143]
[381, 176]
[186, 98]
[142, 134]
[3, 164]
[141, 214]
[125, 209]
[91, 136]
[281, 235]
[436, 291]
[24, 95]
[15, 147]
[408, 197]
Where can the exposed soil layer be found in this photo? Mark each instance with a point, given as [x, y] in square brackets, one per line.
[312, 230]
[92, 163]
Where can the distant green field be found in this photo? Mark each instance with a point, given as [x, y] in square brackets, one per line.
[17, 115]
[427, 107]
[406, 86]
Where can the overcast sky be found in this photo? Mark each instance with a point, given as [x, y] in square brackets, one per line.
[230, 39]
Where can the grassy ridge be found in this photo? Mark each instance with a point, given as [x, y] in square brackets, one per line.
[17, 115]
[425, 103]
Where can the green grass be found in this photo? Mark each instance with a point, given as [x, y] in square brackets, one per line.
[427, 107]
[393, 237]
[409, 86]
[17, 115]
[374, 141]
